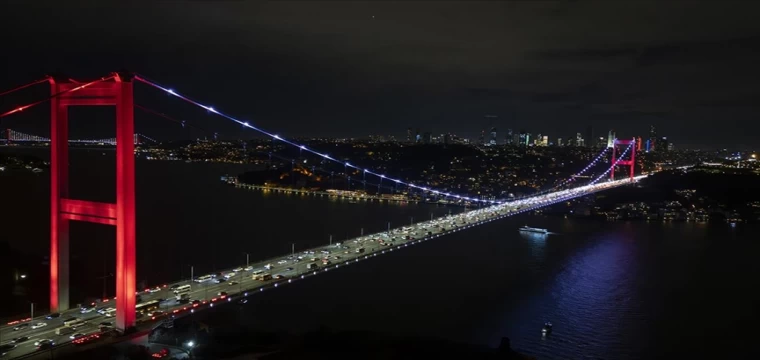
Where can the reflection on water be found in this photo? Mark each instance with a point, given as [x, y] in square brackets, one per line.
[537, 243]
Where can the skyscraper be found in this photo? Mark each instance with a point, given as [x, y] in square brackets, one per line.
[427, 138]
[508, 139]
[559, 141]
[409, 135]
[611, 138]
[523, 138]
[652, 138]
[493, 136]
[662, 145]
[578, 139]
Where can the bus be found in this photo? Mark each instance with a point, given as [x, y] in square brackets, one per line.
[182, 289]
[74, 323]
[63, 331]
[203, 278]
[148, 306]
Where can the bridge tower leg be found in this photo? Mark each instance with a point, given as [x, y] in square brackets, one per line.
[631, 162]
[117, 92]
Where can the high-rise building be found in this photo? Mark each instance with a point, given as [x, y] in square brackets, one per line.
[493, 136]
[671, 147]
[590, 136]
[508, 140]
[578, 139]
[611, 138]
[427, 138]
[570, 141]
[527, 138]
[447, 138]
[417, 137]
[409, 135]
[559, 141]
[652, 138]
[662, 145]
[523, 138]
[545, 141]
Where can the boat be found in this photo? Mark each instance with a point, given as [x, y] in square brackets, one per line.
[534, 230]
[547, 328]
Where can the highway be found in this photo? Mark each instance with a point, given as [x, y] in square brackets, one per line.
[284, 270]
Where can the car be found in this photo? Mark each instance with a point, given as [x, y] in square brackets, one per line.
[279, 277]
[53, 316]
[76, 335]
[233, 283]
[289, 269]
[282, 262]
[85, 310]
[39, 325]
[248, 268]
[43, 341]
[21, 326]
[237, 269]
[229, 275]
[196, 303]
[46, 345]
[4, 349]
[155, 289]
[220, 280]
[20, 339]
[173, 287]
[221, 293]
[106, 323]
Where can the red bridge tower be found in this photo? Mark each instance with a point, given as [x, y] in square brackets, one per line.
[631, 163]
[116, 91]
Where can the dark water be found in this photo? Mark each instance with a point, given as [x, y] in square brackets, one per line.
[613, 290]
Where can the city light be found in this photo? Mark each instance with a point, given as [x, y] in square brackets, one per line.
[245, 124]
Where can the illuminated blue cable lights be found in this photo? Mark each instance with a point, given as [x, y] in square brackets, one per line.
[305, 148]
[625, 152]
[566, 181]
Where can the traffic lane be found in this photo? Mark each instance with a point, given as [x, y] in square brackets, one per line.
[46, 332]
[28, 347]
[211, 290]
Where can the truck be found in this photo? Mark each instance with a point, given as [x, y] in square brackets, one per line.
[263, 277]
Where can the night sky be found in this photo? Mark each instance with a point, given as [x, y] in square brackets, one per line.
[350, 68]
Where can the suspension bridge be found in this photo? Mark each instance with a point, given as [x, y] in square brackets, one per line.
[117, 90]
[12, 136]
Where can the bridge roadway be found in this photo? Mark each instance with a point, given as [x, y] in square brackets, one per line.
[291, 270]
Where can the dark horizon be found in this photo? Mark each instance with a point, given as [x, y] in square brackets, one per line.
[353, 69]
